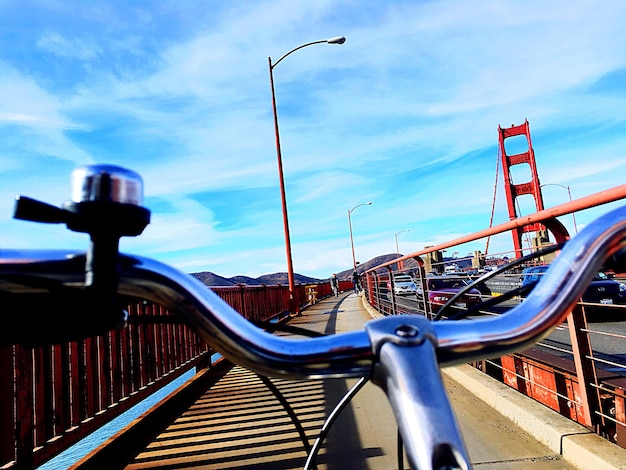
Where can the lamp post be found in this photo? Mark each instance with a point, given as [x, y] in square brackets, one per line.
[350, 225]
[569, 194]
[335, 40]
[401, 231]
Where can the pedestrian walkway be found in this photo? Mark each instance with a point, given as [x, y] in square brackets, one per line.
[234, 420]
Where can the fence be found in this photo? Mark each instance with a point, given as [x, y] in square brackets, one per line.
[579, 370]
[54, 396]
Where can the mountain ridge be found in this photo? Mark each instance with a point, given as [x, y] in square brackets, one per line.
[215, 280]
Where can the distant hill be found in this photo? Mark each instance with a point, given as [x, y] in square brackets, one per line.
[250, 281]
[281, 278]
[213, 280]
[347, 274]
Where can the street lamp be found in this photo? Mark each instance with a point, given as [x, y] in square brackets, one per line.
[401, 231]
[335, 40]
[350, 225]
[569, 194]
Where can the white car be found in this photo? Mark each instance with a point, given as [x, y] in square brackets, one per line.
[403, 285]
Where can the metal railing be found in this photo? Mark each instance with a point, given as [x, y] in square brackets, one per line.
[579, 370]
[54, 396]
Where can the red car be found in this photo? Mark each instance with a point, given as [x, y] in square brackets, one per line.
[443, 288]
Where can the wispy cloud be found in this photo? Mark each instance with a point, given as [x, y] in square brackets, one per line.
[58, 45]
[404, 114]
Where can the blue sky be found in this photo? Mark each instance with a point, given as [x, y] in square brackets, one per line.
[404, 114]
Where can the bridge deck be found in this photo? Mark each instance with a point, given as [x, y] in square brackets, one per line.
[233, 420]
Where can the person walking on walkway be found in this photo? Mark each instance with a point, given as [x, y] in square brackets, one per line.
[334, 285]
[355, 281]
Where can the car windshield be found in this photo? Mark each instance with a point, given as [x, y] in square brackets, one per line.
[402, 279]
[443, 283]
[534, 274]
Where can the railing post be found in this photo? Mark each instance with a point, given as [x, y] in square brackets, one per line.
[242, 297]
[585, 367]
[581, 350]
[7, 417]
[24, 419]
[368, 287]
[377, 304]
[394, 309]
[424, 286]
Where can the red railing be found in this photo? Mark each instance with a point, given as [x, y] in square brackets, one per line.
[566, 373]
[63, 392]
[54, 396]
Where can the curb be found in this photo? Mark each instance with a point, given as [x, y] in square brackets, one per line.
[576, 444]
[371, 310]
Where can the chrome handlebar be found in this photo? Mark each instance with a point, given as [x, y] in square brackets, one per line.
[345, 354]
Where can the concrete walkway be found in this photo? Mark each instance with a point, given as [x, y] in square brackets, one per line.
[493, 441]
[234, 420]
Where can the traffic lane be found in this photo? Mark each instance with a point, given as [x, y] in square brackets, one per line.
[412, 304]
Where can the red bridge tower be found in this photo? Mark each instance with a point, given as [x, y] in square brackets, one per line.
[512, 190]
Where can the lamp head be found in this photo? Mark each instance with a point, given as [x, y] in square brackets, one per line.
[336, 40]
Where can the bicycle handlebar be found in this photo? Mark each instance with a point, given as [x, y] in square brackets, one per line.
[400, 353]
[345, 354]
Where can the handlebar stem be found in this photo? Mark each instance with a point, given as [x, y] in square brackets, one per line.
[408, 372]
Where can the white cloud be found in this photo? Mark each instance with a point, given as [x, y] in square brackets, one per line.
[182, 95]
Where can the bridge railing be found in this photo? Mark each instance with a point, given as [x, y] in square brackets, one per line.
[579, 371]
[54, 396]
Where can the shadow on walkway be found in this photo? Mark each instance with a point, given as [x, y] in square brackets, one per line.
[228, 418]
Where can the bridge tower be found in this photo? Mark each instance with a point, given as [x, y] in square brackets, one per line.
[513, 191]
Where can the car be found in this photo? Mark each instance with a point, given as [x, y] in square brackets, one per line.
[602, 289]
[456, 274]
[443, 288]
[403, 285]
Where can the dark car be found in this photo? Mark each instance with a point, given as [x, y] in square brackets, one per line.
[443, 288]
[601, 290]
